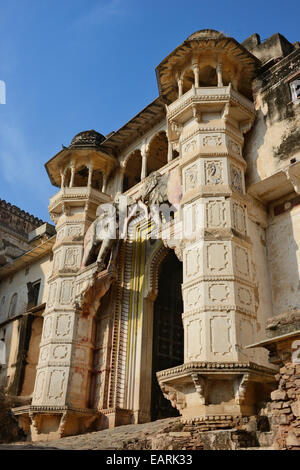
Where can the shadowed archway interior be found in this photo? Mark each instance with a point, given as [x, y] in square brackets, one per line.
[167, 331]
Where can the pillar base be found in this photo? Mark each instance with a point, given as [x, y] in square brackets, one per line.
[112, 417]
[216, 392]
[50, 423]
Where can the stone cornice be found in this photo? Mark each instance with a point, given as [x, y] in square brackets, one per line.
[28, 258]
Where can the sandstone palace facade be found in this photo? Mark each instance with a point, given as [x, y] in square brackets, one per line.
[200, 196]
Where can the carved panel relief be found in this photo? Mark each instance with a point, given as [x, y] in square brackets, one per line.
[216, 213]
[47, 327]
[193, 297]
[74, 231]
[244, 295]
[56, 261]
[39, 385]
[52, 294]
[220, 332]
[218, 292]
[214, 172]
[56, 384]
[212, 140]
[72, 258]
[239, 218]
[217, 257]
[194, 338]
[241, 258]
[66, 292]
[60, 351]
[236, 177]
[246, 337]
[60, 234]
[191, 177]
[189, 146]
[192, 262]
[63, 325]
[234, 147]
[44, 354]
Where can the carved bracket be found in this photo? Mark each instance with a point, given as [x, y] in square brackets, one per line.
[201, 387]
[176, 398]
[241, 385]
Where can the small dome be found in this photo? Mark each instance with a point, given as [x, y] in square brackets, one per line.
[87, 139]
[206, 34]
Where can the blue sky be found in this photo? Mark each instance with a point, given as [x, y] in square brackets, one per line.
[72, 65]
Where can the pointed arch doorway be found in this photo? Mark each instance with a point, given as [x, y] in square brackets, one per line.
[168, 348]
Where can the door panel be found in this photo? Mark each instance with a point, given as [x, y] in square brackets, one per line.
[167, 331]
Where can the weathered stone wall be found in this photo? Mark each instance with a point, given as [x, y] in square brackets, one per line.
[283, 240]
[286, 408]
[274, 139]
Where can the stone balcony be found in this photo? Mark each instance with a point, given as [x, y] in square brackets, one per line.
[74, 195]
[211, 95]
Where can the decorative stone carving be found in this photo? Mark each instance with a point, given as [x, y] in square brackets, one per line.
[245, 295]
[217, 257]
[242, 261]
[212, 141]
[241, 389]
[72, 258]
[191, 177]
[215, 213]
[47, 327]
[193, 296]
[44, 353]
[56, 261]
[74, 231]
[239, 218]
[60, 352]
[194, 330]
[63, 325]
[220, 328]
[192, 262]
[236, 178]
[234, 147]
[39, 385]
[218, 292]
[214, 172]
[176, 398]
[52, 294]
[201, 388]
[66, 293]
[56, 384]
[190, 147]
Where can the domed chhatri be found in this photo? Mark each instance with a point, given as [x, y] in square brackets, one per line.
[84, 156]
[207, 58]
[206, 34]
[89, 138]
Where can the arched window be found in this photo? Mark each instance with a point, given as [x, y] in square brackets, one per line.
[133, 169]
[13, 305]
[157, 156]
[208, 76]
[188, 80]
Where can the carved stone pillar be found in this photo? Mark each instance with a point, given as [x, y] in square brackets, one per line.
[144, 164]
[60, 403]
[219, 74]
[218, 287]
